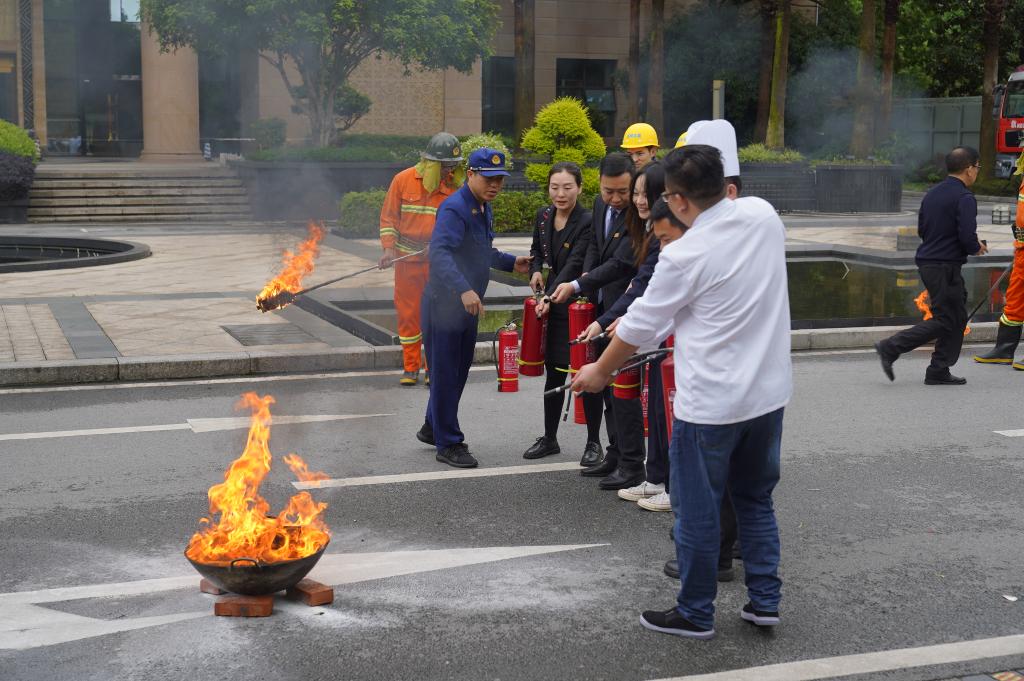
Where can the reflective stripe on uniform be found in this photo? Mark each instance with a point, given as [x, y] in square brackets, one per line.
[422, 210]
[410, 339]
[1003, 319]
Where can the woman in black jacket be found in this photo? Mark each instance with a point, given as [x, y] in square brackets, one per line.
[561, 234]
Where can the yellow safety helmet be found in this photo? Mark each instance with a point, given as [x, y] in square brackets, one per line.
[681, 142]
[639, 135]
[1020, 165]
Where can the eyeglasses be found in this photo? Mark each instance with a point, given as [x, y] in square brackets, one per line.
[666, 195]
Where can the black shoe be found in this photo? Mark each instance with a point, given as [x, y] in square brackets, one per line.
[886, 362]
[620, 479]
[606, 467]
[457, 456]
[671, 622]
[426, 434]
[591, 455]
[948, 379]
[544, 446]
[761, 618]
[1007, 339]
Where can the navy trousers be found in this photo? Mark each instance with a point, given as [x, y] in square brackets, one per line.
[449, 337]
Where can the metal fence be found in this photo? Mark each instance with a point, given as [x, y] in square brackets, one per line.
[934, 126]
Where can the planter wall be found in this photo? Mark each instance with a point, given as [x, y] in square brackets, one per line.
[787, 186]
[14, 212]
[859, 188]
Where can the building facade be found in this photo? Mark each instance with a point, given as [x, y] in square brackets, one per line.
[90, 79]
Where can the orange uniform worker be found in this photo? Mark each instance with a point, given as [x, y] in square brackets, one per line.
[1012, 319]
[406, 224]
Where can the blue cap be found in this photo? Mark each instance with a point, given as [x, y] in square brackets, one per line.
[488, 162]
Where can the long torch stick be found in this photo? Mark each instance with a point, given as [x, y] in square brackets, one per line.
[990, 292]
[287, 297]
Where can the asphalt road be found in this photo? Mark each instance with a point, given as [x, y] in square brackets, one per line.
[899, 507]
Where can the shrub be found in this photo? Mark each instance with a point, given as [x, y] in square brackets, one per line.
[16, 174]
[759, 153]
[563, 132]
[14, 140]
[491, 140]
[360, 214]
[515, 211]
[354, 148]
[269, 133]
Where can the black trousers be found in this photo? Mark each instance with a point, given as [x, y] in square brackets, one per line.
[628, 421]
[948, 297]
[556, 376]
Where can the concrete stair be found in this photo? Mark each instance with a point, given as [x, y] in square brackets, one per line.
[137, 192]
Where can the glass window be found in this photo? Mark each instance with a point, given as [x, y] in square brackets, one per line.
[592, 81]
[124, 10]
[8, 89]
[499, 95]
[1014, 96]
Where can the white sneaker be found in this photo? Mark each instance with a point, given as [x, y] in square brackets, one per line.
[658, 502]
[641, 491]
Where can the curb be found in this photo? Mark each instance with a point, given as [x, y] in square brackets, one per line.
[256, 363]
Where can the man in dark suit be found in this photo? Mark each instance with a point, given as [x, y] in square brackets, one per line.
[608, 268]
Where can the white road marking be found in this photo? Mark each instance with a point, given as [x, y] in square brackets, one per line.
[212, 381]
[1010, 433]
[195, 425]
[866, 663]
[446, 474]
[24, 625]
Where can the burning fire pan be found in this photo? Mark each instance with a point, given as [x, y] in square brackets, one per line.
[250, 577]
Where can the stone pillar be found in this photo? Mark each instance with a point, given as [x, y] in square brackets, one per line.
[170, 102]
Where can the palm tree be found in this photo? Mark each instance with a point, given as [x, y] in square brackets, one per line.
[863, 139]
[776, 135]
[525, 30]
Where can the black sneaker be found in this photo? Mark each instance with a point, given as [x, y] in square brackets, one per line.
[671, 622]
[944, 379]
[761, 618]
[458, 456]
[426, 434]
[544, 446]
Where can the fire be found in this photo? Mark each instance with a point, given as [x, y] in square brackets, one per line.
[295, 265]
[922, 305]
[244, 529]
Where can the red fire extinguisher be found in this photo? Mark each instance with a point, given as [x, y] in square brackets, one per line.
[581, 315]
[627, 384]
[506, 358]
[668, 387]
[535, 333]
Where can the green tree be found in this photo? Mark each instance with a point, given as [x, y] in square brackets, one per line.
[776, 136]
[995, 10]
[863, 138]
[326, 40]
[525, 51]
[891, 14]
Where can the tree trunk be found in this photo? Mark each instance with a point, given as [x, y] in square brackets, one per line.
[656, 78]
[994, 11]
[525, 33]
[883, 127]
[768, 11]
[633, 105]
[863, 139]
[776, 135]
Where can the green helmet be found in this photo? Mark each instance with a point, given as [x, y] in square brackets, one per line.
[443, 146]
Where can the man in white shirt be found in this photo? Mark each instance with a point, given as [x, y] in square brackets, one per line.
[722, 290]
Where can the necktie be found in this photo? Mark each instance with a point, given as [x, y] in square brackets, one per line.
[609, 221]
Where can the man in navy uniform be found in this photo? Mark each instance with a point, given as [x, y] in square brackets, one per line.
[461, 256]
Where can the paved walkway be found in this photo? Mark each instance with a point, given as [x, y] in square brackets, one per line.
[194, 297]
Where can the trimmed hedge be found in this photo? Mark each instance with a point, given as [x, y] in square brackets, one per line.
[14, 140]
[514, 212]
[759, 153]
[269, 133]
[16, 175]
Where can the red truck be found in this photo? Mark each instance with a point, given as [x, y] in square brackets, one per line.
[1009, 114]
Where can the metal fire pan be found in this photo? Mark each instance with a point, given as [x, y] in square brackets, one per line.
[251, 577]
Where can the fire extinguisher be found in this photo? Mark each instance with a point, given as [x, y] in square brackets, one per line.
[627, 384]
[535, 333]
[506, 358]
[581, 315]
[668, 387]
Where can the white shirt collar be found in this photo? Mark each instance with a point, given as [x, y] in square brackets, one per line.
[712, 213]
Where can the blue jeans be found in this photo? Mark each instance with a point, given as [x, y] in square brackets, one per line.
[703, 459]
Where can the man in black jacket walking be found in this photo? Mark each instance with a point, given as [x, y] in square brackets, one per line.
[608, 268]
[947, 225]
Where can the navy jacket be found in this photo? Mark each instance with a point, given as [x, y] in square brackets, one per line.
[461, 254]
[608, 266]
[947, 224]
[636, 287]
